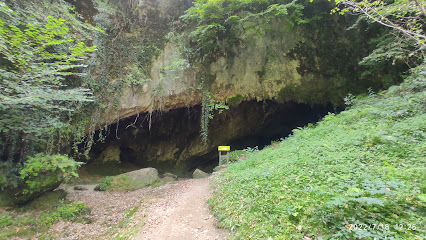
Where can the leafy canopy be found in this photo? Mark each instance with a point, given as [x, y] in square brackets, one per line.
[41, 57]
[405, 19]
[43, 49]
[220, 22]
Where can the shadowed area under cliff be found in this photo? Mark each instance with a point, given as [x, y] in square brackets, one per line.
[172, 141]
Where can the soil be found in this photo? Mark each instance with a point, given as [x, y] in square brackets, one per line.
[176, 210]
[182, 214]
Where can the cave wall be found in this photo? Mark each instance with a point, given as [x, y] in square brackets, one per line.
[173, 143]
[141, 74]
[313, 63]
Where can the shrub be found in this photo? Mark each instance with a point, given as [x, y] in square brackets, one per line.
[61, 166]
[105, 183]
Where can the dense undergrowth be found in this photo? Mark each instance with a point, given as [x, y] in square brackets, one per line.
[359, 174]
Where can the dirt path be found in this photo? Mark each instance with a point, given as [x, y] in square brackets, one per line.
[181, 213]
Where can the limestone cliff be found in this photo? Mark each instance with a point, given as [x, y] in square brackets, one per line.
[173, 142]
[140, 70]
[312, 63]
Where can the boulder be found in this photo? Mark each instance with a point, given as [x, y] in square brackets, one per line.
[48, 201]
[132, 180]
[170, 175]
[80, 188]
[46, 182]
[168, 179]
[199, 174]
[110, 154]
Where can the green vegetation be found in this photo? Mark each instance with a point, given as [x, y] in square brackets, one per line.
[132, 39]
[216, 28]
[219, 23]
[24, 223]
[365, 165]
[235, 100]
[406, 40]
[209, 107]
[122, 183]
[43, 164]
[42, 57]
[105, 183]
[39, 174]
[125, 229]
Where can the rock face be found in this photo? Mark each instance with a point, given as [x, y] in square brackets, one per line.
[133, 180]
[110, 154]
[199, 174]
[143, 176]
[313, 63]
[170, 175]
[167, 179]
[157, 97]
[47, 182]
[173, 144]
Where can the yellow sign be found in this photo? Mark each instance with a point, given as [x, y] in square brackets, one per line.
[224, 148]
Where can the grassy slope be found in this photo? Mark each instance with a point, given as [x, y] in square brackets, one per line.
[365, 165]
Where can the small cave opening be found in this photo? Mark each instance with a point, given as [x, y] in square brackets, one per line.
[171, 141]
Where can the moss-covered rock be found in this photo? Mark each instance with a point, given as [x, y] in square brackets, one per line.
[235, 100]
[48, 201]
[199, 174]
[110, 154]
[130, 181]
[47, 181]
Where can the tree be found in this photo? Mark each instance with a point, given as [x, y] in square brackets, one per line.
[405, 18]
[42, 55]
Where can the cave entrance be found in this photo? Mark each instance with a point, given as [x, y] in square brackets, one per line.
[171, 142]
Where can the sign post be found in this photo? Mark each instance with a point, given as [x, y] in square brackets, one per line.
[223, 149]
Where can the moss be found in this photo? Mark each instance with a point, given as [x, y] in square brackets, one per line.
[235, 100]
[129, 181]
[291, 92]
[104, 184]
[48, 182]
[18, 196]
[47, 201]
[6, 198]
[134, 37]
[122, 183]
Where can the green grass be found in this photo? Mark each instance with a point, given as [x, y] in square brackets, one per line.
[365, 165]
[25, 222]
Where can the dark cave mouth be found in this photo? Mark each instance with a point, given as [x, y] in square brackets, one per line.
[172, 141]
